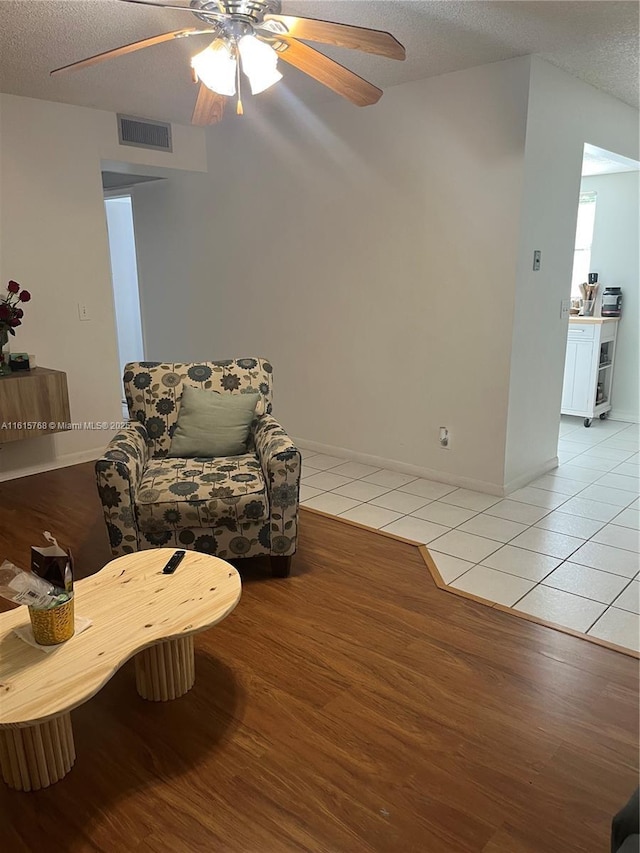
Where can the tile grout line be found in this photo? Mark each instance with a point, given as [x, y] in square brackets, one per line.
[606, 610]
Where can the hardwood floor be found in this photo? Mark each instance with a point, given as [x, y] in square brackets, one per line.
[352, 707]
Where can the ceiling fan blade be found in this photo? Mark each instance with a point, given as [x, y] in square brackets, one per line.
[330, 73]
[209, 107]
[342, 35]
[217, 15]
[125, 48]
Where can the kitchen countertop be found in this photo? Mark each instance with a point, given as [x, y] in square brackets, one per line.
[575, 318]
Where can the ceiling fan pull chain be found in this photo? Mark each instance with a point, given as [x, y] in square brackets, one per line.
[239, 108]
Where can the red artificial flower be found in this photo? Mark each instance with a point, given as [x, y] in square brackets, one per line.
[10, 314]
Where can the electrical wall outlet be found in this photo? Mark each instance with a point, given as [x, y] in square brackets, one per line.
[444, 437]
[83, 311]
[565, 305]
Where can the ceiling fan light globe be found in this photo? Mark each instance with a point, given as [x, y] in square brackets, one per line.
[259, 63]
[263, 82]
[216, 68]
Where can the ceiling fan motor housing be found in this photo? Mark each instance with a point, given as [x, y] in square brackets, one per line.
[251, 11]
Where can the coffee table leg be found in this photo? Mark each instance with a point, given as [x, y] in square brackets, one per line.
[35, 757]
[167, 670]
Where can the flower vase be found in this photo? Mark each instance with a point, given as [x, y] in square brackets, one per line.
[4, 352]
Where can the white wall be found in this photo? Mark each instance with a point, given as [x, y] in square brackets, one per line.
[615, 256]
[564, 113]
[54, 242]
[370, 253]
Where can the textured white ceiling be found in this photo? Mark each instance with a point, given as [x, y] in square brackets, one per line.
[597, 161]
[596, 41]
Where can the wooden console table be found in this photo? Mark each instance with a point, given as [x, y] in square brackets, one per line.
[33, 402]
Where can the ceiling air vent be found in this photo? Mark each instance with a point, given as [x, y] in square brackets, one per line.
[143, 133]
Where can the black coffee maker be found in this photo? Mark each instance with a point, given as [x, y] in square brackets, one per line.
[611, 302]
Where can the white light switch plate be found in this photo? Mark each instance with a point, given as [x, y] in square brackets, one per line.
[565, 305]
[83, 311]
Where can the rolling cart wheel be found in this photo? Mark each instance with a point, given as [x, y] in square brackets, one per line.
[587, 422]
[604, 416]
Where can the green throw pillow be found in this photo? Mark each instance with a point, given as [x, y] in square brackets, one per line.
[211, 424]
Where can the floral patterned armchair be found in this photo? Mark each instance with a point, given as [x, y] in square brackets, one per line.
[235, 506]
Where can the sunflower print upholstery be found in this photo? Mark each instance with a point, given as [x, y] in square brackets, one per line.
[235, 506]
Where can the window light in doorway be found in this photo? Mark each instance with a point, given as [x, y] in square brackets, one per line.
[584, 239]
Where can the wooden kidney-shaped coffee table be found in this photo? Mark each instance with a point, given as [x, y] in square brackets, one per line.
[135, 610]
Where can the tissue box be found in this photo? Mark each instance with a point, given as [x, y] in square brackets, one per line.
[53, 564]
[19, 361]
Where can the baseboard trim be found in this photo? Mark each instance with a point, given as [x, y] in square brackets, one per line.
[429, 473]
[365, 458]
[64, 461]
[525, 479]
[404, 468]
[629, 417]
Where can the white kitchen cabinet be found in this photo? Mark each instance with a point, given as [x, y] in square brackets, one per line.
[588, 370]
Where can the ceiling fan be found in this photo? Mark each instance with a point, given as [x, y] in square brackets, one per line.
[252, 35]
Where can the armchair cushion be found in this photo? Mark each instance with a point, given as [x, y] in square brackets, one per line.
[154, 389]
[212, 424]
[176, 494]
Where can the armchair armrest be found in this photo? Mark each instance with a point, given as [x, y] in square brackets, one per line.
[118, 474]
[281, 464]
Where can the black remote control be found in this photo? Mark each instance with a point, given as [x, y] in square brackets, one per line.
[173, 563]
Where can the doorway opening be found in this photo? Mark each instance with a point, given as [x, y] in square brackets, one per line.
[600, 389]
[124, 278]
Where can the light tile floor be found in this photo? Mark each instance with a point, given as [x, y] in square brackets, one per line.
[565, 548]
